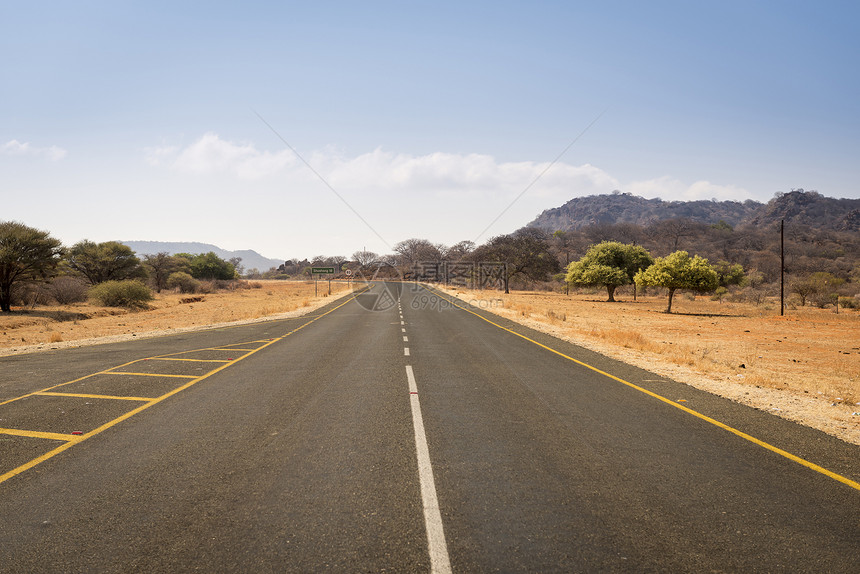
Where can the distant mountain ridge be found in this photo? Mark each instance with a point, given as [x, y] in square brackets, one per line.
[799, 207]
[250, 259]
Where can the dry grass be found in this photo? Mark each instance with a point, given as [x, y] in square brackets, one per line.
[45, 325]
[747, 352]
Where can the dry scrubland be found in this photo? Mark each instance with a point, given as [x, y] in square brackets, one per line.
[57, 326]
[804, 366]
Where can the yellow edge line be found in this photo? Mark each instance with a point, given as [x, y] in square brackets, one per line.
[73, 440]
[83, 396]
[811, 465]
[39, 434]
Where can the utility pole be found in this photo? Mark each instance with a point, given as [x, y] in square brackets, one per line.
[782, 267]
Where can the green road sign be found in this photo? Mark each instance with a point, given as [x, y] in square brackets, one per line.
[322, 270]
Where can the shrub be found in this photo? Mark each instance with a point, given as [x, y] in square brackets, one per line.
[66, 290]
[183, 281]
[849, 302]
[208, 286]
[127, 293]
[30, 294]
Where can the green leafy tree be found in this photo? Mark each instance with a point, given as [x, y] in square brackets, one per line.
[729, 273]
[26, 254]
[108, 261]
[679, 271]
[610, 264]
[209, 266]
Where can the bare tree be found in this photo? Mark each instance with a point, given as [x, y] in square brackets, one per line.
[460, 251]
[365, 258]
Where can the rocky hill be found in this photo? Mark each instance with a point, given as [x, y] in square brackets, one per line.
[798, 207]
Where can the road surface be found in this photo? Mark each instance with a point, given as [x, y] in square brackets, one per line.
[400, 431]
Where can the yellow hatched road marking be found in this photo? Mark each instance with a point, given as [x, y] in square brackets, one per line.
[47, 435]
[148, 374]
[231, 349]
[85, 396]
[811, 465]
[191, 360]
[72, 440]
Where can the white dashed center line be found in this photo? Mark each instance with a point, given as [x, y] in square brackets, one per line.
[440, 563]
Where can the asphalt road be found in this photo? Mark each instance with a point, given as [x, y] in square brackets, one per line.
[397, 432]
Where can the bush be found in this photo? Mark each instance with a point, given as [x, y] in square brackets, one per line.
[127, 293]
[30, 294]
[66, 290]
[209, 286]
[183, 281]
[849, 302]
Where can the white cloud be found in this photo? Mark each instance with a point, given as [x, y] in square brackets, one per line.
[211, 155]
[671, 189]
[441, 174]
[452, 175]
[16, 148]
[442, 196]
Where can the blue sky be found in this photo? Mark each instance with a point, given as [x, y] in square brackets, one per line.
[142, 120]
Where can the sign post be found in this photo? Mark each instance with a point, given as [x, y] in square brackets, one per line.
[322, 271]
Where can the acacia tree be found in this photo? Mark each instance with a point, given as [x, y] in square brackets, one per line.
[161, 265]
[26, 254]
[108, 261]
[679, 271]
[610, 264]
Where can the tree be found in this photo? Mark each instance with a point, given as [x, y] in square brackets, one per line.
[673, 230]
[236, 262]
[209, 266]
[562, 241]
[26, 254]
[460, 251]
[525, 252]
[108, 261]
[819, 286]
[365, 258]
[679, 271]
[611, 264]
[414, 251]
[161, 265]
[729, 274]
